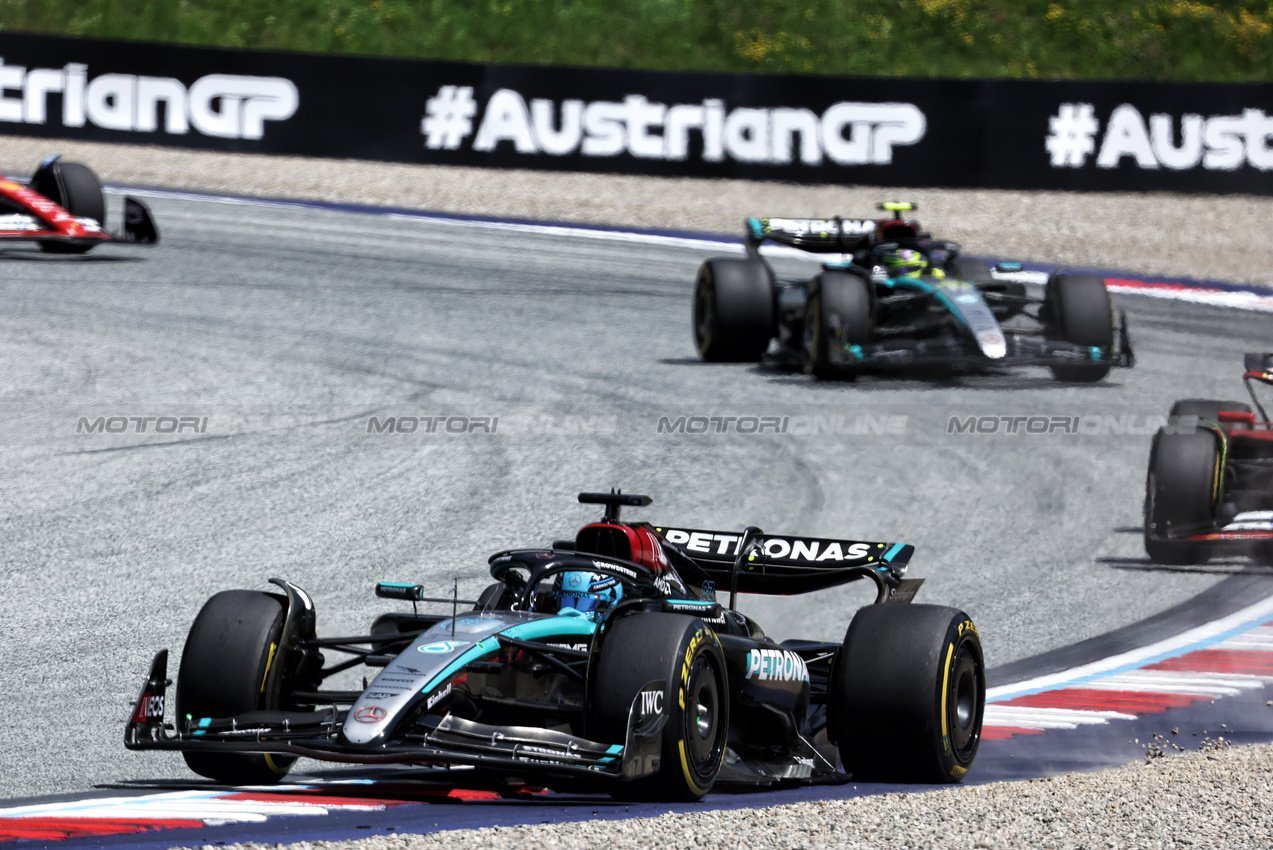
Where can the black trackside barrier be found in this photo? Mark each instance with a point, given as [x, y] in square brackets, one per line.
[1022, 134]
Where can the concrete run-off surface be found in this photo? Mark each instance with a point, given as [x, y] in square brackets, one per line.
[1199, 236]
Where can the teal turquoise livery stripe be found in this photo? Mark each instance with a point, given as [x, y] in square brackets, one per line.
[897, 547]
[532, 630]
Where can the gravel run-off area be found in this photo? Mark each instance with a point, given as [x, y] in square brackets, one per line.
[1220, 797]
[1216, 237]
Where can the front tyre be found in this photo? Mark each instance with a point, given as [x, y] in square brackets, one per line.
[908, 692]
[1081, 313]
[733, 310]
[685, 653]
[1181, 491]
[225, 670]
[75, 188]
[838, 316]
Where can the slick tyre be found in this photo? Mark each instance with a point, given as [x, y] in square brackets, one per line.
[838, 312]
[733, 310]
[76, 188]
[225, 670]
[1181, 490]
[685, 653]
[908, 692]
[1081, 313]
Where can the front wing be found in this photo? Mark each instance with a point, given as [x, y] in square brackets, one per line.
[1020, 350]
[453, 741]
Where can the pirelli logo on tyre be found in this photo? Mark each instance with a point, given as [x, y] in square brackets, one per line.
[699, 636]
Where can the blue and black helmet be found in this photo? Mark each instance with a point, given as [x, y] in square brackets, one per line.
[586, 594]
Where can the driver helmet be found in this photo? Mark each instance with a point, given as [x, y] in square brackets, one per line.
[904, 262]
[585, 594]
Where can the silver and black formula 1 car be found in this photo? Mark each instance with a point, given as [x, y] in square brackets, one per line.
[893, 298]
[1209, 490]
[63, 210]
[602, 663]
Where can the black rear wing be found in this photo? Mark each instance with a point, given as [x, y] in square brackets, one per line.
[815, 235]
[782, 565]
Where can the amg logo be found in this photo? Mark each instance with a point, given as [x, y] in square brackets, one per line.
[651, 703]
[776, 665]
[227, 106]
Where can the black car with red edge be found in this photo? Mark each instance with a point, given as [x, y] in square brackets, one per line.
[1209, 488]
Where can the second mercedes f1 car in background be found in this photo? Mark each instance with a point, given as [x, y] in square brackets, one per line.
[897, 298]
[63, 210]
[603, 663]
[1209, 489]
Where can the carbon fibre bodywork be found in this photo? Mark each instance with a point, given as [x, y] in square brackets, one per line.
[958, 314]
[506, 686]
[1238, 519]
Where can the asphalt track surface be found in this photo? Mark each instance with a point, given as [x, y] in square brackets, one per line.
[283, 330]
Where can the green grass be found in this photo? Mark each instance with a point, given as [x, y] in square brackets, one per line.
[1082, 39]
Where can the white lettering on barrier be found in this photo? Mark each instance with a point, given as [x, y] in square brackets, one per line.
[1216, 143]
[227, 106]
[847, 133]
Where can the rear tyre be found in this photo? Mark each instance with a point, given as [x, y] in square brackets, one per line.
[1081, 313]
[733, 310]
[908, 692]
[225, 670]
[75, 188]
[1181, 490]
[684, 653]
[838, 312]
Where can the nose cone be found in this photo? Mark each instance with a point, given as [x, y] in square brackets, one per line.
[992, 344]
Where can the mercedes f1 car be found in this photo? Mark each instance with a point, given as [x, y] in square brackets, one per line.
[894, 297]
[63, 210]
[1209, 490]
[604, 662]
